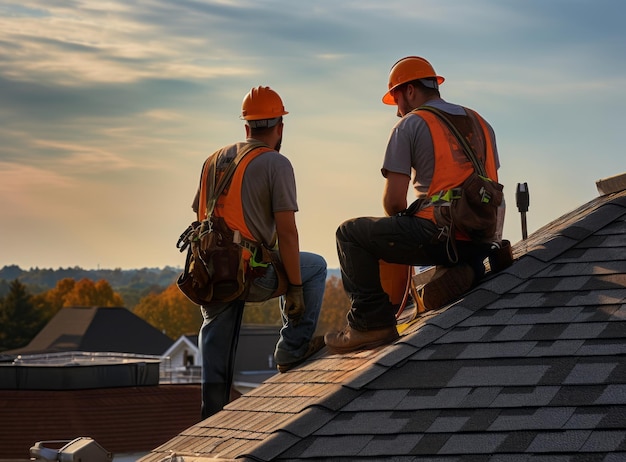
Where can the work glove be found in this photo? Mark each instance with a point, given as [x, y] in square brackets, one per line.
[294, 303]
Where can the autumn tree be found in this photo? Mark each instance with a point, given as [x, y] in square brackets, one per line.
[19, 319]
[267, 312]
[68, 293]
[87, 293]
[170, 312]
[335, 305]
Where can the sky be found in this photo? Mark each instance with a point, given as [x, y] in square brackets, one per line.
[108, 109]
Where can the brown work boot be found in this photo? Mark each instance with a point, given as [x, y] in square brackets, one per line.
[315, 345]
[350, 339]
[446, 285]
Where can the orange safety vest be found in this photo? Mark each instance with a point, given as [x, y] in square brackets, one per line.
[229, 205]
[452, 167]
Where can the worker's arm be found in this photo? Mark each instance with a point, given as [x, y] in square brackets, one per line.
[289, 245]
[394, 195]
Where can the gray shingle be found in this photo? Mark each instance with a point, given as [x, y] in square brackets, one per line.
[446, 424]
[555, 247]
[480, 397]
[577, 395]
[525, 396]
[464, 334]
[564, 441]
[372, 400]
[603, 347]
[526, 267]
[615, 457]
[451, 317]
[426, 334]
[368, 374]
[339, 446]
[612, 394]
[615, 417]
[578, 283]
[496, 350]
[556, 348]
[546, 331]
[548, 418]
[434, 398]
[430, 443]
[590, 373]
[583, 330]
[517, 442]
[604, 441]
[502, 283]
[577, 268]
[521, 300]
[599, 297]
[615, 330]
[482, 443]
[513, 332]
[584, 420]
[389, 445]
[499, 315]
[314, 418]
[274, 445]
[398, 354]
[619, 313]
[363, 423]
[497, 375]
[600, 313]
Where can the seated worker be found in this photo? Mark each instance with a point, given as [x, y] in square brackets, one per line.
[423, 149]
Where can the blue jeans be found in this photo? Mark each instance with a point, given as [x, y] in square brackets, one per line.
[219, 333]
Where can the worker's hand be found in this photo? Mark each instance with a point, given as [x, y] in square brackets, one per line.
[294, 303]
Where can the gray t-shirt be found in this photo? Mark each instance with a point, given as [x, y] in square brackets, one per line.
[410, 147]
[268, 186]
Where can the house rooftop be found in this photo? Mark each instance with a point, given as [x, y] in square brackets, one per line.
[90, 329]
[530, 365]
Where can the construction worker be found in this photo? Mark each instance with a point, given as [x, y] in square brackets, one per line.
[263, 207]
[421, 148]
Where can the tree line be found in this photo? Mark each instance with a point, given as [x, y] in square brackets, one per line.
[132, 284]
[24, 313]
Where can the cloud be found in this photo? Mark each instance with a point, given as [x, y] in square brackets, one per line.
[16, 179]
[85, 44]
[107, 109]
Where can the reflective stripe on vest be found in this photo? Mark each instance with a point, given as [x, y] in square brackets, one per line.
[452, 167]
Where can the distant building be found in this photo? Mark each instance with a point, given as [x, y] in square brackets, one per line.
[106, 374]
[97, 329]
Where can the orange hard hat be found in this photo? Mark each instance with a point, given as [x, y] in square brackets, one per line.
[406, 70]
[262, 103]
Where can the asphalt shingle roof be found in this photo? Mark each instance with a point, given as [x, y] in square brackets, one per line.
[90, 329]
[530, 365]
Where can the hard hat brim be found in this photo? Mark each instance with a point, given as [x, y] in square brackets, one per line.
[388, 98]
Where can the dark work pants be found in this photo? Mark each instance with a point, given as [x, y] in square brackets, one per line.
[219, 333]
[362, 242]
[217, 370]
